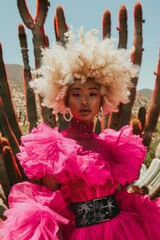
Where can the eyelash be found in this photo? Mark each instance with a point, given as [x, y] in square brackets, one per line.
[75, 94]
[92, 94]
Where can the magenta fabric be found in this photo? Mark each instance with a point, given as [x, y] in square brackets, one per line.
[37, 213]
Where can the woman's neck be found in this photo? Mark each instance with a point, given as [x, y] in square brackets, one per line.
[82, 132]
[81, 127]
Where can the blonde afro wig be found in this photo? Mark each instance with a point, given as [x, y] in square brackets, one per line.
[83, 58]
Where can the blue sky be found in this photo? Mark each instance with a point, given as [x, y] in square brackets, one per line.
[89, 14]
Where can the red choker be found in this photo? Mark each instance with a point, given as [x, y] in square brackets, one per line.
[81, 127]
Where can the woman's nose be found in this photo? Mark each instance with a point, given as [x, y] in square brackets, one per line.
[84, 100]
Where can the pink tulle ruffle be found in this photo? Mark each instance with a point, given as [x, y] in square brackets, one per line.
[35, 213]
[46, 151]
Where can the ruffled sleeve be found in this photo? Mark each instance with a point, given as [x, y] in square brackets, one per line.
[126, 152]
[35, 212]
[45, 151]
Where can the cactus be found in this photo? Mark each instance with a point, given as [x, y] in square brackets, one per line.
[14, 174]
[8, 133]
[136, 59]
[60, 25]
[5, 95]
[106, 24]
[151, 176]
[30, 97]
[3, 204]
[39, 41]
[136, 124]
[142, 117]
[153, 111]
[11, 173]
[123, 32]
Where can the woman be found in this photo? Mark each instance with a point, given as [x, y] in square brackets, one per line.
[81, 172]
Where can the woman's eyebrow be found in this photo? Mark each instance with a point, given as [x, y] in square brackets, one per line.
[73, 89]
[91, 88]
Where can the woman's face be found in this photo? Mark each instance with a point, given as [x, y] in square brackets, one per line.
[84, 100]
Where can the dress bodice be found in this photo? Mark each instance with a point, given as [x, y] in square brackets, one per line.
[115, 159]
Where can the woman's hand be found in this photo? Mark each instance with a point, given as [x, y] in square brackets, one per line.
[136, 189]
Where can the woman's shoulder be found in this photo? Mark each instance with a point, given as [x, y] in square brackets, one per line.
[42, 130]
[44, 134]
[127, 152]
[123, 136]
[41, 150]
[108, 132]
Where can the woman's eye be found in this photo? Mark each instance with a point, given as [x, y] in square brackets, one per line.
[93, 94]
[75, 94]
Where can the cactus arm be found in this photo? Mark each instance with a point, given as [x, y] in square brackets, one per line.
[42, 9]
[116, 118]
[142, 116]
[39, 41]
[106, 24]
[136, 58]
[55, 28]
[35, 26]
[60, 25]
[6, 129]
[13, 172]
[30, 97]
[4, 177]
[12, 169]
[5, 95]
[150, 173]
[8, 133]
[154, 186]
[153, 111]
[123, 31]
[25, 15]
[138, 40]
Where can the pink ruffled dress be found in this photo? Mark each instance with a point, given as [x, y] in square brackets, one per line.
[37, 213]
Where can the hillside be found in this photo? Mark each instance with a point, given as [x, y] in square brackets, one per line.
[14, 74]
[145, 93]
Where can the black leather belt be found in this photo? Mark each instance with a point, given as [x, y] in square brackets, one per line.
[95, 211]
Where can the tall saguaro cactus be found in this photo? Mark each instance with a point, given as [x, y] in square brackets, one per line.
[39, 41]
[35, 25]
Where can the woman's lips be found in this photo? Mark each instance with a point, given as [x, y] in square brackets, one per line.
[85, 111]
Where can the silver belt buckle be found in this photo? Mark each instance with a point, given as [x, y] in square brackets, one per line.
[100, 209]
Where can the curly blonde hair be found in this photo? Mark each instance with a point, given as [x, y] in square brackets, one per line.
[87, 57]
